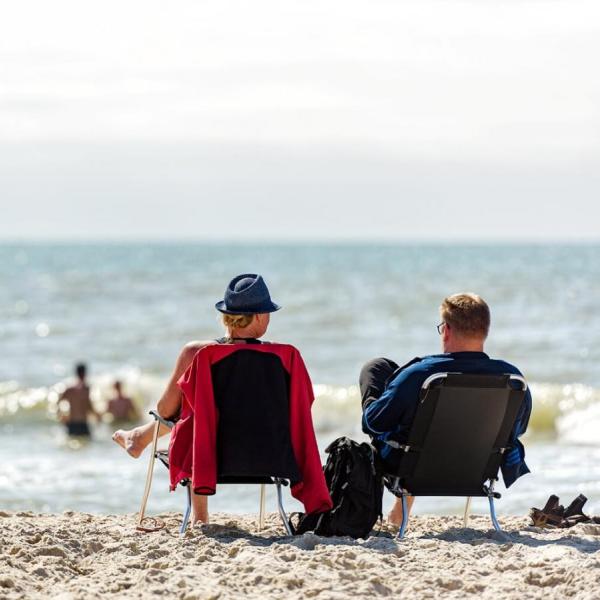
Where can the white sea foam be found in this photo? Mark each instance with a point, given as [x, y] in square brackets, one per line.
[42, 403]
[71, 476]
[570, 412]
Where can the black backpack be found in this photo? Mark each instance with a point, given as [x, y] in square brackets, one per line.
[356, 487]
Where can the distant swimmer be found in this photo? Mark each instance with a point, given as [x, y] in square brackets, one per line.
[121, 407]
[80, 405]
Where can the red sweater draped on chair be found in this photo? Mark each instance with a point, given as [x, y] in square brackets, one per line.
[193, 447]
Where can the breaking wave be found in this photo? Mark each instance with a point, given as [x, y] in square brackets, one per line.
[570, 412]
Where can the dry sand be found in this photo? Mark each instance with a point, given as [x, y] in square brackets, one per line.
[76, 555]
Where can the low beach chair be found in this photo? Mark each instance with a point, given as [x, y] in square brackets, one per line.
[456, 443]
[163, 457]
[237, 441]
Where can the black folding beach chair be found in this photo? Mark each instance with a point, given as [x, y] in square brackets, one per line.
[163, 457]
[455, 446]
[237, 442]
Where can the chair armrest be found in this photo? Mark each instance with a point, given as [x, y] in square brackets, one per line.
[521, 380]
[165, 422]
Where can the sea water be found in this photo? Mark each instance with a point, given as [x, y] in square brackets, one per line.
[127, 309]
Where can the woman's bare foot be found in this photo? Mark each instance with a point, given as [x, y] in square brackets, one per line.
[135, 440]
[132, 440]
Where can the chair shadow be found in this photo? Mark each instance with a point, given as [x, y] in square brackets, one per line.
[227, 534]
[385, 541]
[473, 537]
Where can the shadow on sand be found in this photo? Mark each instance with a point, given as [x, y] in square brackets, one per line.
[476, 537]
[386, 542]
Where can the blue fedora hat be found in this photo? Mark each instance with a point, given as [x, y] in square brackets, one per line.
[247, 294]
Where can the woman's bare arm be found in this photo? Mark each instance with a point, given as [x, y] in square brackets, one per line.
[170, 402]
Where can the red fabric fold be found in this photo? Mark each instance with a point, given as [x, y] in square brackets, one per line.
[193, 447]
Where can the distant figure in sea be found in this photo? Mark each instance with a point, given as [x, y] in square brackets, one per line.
[390, 393]
[80, 406]
[121, 407]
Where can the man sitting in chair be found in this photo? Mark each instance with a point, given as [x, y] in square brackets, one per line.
[390, 394]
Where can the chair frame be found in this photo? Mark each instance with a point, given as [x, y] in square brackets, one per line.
[395, 482]
[163, 457]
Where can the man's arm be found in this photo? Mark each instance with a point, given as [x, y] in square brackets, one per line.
[91, 410]
[524, 413]
[522, 421]
[513, 464]
[64, 400]
[397, 402]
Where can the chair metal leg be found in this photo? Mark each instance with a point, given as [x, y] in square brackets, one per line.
[149, 474]
[282, 514]
[188, 509]
[493, 514]
[404, 523]
[467, 512]
[401, 493]
[261, 513]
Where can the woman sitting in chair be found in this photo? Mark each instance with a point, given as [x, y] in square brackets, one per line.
[246, 312]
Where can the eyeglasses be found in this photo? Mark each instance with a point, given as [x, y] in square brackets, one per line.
[439, 327]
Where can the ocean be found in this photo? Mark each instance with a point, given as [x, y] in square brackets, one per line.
[126, 309]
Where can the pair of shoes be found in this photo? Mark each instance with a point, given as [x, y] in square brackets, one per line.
[554, 515]
[549, 516]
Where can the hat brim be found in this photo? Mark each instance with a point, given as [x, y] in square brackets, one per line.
[268, 308]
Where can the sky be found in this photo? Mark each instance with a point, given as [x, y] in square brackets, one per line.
[343, 120]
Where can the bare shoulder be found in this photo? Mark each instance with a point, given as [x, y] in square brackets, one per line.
[68, 393]
[191, 349]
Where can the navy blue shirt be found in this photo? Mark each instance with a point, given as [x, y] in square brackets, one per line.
[389, 417]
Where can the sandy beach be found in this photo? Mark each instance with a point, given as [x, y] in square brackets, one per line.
[77, 555]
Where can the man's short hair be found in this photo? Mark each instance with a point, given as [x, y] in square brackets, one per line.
[468, 314]
[80, 370]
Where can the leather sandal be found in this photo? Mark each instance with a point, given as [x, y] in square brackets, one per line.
[550, 516]
[574, 512]
[553, 515]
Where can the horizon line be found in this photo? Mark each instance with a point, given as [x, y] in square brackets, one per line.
[317, 240]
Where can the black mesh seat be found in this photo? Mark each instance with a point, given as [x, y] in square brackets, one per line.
[455, 446]
[251, 393]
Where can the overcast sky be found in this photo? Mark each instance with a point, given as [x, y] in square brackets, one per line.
[348, 119]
